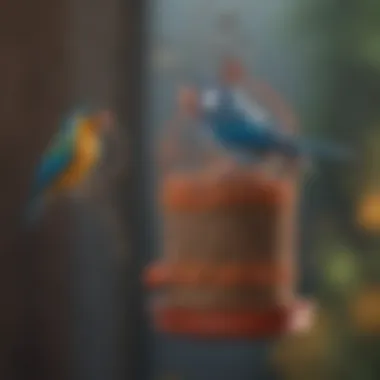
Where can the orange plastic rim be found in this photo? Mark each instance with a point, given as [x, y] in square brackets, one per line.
[216, 324]
[164, 274]
[186, 193]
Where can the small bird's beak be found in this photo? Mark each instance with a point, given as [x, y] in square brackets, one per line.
[102, 122]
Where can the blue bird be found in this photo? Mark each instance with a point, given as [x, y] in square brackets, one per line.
[246, 128]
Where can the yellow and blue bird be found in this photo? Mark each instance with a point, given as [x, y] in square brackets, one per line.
[69, 159]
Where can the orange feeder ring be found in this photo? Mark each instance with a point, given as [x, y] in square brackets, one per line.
[234, 324]
[240, 323]
[222, 276]
[178, 193]
[213, 323]
[222, 324]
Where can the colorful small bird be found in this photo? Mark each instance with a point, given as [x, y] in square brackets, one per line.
[247, 128]
[69, 159]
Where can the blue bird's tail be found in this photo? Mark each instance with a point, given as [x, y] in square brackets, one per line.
[326, 151]
[313, 149]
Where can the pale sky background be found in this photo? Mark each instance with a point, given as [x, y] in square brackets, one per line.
[187, 27]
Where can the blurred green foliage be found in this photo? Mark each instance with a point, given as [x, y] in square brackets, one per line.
[351, 26]
[348, 37]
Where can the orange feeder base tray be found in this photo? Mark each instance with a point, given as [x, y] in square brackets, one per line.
[232, 324]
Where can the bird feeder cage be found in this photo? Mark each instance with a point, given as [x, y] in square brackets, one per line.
[228, 268]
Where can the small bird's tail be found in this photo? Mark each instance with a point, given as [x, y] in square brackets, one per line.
[34, 211]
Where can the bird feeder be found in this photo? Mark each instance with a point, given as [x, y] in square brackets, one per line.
[228, 266]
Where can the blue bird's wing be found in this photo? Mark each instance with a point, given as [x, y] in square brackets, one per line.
[239, 126]
[235, 130]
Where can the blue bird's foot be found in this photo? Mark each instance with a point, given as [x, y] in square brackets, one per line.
[292, 166]
[224, 169]
[221, 169]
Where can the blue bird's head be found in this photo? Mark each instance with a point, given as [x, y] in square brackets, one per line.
[206, 103]
[213, 100]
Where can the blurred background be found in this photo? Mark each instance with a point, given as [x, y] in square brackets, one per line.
[79, 274]
[323, 57]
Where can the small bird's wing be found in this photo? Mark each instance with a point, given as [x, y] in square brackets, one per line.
[35, 209]
[55, 160]
[50, 169]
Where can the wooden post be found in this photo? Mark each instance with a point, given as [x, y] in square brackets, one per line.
[33, 93]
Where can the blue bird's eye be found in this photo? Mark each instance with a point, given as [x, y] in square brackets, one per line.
[210, 100]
